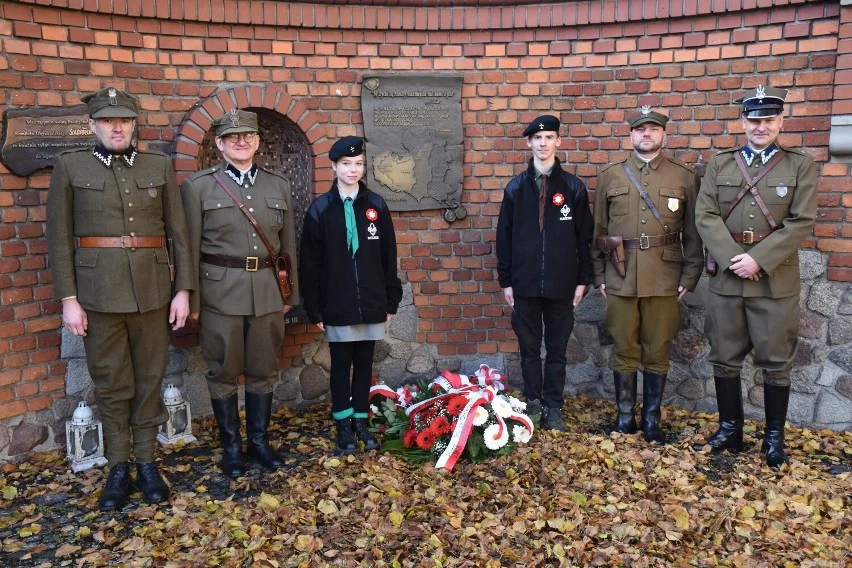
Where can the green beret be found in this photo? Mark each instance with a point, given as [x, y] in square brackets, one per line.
[111, 103]
[235, 122]
[647, 115]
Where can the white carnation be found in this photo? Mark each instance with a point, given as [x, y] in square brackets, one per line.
[520, 434]
[517, 404]
[495, 437]
[502, 407]
[374, 409]
[480, 416]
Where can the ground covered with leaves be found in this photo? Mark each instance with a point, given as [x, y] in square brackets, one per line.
[585, 498]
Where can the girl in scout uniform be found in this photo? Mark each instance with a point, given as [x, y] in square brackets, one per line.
[347, 268]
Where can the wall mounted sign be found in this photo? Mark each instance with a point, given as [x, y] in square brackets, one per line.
[32, 137]
[413, 128]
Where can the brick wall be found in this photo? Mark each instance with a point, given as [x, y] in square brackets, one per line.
[591, 63]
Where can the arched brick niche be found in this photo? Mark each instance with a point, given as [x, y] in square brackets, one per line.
[291, 138]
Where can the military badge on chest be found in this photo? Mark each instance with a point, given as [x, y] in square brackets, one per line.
[781, 190]
[673, 204]
[372, 230]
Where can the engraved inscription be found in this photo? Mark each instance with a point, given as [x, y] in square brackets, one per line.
[33, 137]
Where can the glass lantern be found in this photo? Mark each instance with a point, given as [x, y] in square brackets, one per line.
[179, 424]
[85, 439]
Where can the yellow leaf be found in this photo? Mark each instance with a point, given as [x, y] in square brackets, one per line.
[268, 502]
[304, 542]
[83, 531]
[328, 507]
[811, 445]
[201, 489]
[396, 518]
[436, 542]
[333, 462]
[455, 522]
[30, 530]
[578, 498]
[10, 492]
[747, 512]
[469, 531]
[640, 486]
[558, 551]
[608, 445]
[681, 517]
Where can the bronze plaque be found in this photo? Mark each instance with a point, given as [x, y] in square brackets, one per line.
[32, 137]
[413, 128]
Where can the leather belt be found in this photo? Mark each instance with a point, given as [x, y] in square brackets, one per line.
[249, 264]
[749, 237]
[121, 242]
[646, 242]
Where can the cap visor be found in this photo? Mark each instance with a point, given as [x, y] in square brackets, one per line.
[761, 112]
[652, 120]
[114, 112]
[236, 130]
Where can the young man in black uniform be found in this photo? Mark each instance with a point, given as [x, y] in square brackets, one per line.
[544, 264]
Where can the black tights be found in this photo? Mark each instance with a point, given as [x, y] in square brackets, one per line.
[358, 356]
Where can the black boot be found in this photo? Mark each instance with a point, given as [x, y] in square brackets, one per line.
[775, 400]
[625, 400]
[653, 385]
[227, 413]
[346, 443]
[364, 434]
[729, 398]
[258, 412]
[150, 483]
[117, 488]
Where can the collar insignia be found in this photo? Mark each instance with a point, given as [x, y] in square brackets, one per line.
[129, 156]
[242, 178]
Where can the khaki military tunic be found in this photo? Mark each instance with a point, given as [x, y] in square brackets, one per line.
[241, 321]
[125, 292]
[762, 314]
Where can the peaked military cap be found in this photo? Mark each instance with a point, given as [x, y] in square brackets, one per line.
[111, 103]
[544, 123]
[346, 147]
[648, 115]
[763, 102]
[235, 121]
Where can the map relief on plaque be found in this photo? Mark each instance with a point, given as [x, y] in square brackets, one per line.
[412, 125]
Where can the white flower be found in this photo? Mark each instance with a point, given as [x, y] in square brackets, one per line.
[374, 409]
[501, 407]
[520, 434]
[517, 404]
[495, 437]
[480, 416]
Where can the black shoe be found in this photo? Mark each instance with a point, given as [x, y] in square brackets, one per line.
[553, 420]
[258, 412]
[535, 411]
[729, 398]
[364, 434]
[117, 488]
[775, 400]
[653, 385]
[346, 443]
[226, 411]
[150, 483]
[625, 401]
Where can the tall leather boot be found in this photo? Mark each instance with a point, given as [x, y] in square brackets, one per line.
[653, 385]
[729, 398]
[775, 401]
[227, 413]
[625, 400]
[258, 412]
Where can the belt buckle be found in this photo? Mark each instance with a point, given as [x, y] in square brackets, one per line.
[128, 242]
[748, 237]
[249, 260]
[644, 244]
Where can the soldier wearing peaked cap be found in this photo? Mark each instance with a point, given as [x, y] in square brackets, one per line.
[543, 264]
[756, 205]
[647, 201]
[237, 297]
[110, 211]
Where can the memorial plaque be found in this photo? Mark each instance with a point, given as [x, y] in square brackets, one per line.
[32, 137]
[413, 128]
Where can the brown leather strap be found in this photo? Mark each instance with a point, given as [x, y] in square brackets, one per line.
[249, 216]
[749, 237]
[121, 242]
[249, 263]
[644, 243]
[643, 194]
[752, 183]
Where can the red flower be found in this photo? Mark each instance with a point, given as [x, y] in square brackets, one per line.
[456, 405]
[440, 425]
[409, 438]
[374, 381]
[426, 439]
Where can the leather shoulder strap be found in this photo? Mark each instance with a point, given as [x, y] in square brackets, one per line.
[642, 193]
[272, 253]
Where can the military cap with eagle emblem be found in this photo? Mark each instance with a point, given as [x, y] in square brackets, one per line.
[111, 103]
[346, 147]
[645, 114]
[763, 102]
[544, 123]
[235, 121]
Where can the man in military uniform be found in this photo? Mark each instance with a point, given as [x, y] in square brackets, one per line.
[238, 300]
[543, 265]
[756, 206]
[648, 200]
[110, 211]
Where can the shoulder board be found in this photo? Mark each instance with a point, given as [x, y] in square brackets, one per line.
[151, 153]
[613, 163]
[798, 151]
[687, 167]
[728, 151]
[203, 173]
[270, 172]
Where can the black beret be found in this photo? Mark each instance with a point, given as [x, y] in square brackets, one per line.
[546, 122]
[346, 147]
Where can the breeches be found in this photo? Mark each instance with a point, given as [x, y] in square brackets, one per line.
[642, 329]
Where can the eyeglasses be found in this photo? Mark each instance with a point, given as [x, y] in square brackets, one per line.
[247, 137]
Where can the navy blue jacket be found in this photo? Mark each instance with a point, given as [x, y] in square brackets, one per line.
[337, 289]
[549, 263]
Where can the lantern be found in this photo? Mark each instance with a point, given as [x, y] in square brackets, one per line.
[179, 424]
[85, 439]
